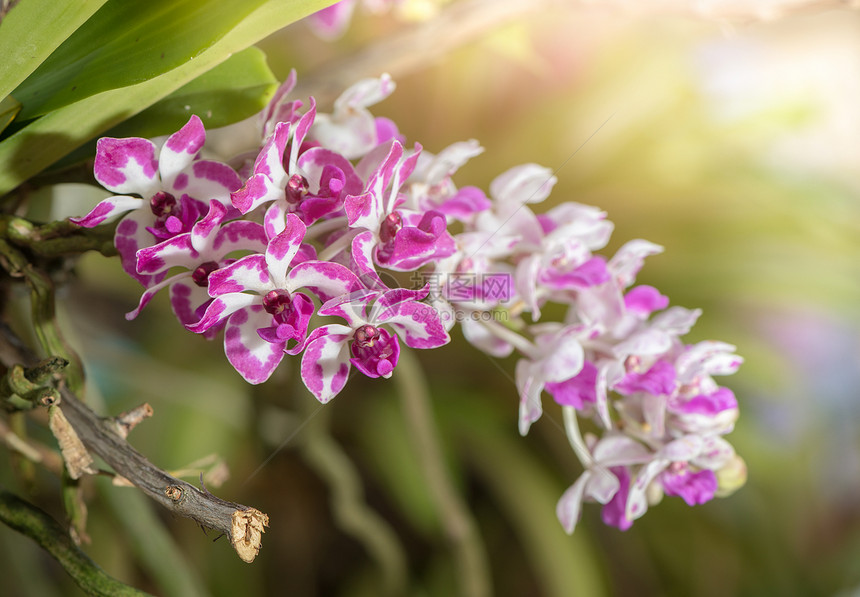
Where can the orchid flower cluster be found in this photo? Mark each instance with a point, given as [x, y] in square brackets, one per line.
[294, 248]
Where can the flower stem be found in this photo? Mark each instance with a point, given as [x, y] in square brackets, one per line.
[461, 529]
[511, 337]
[39, 526]
[571, 428]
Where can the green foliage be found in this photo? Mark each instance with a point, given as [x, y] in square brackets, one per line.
[235, 89]
[33, 30]
[126, 43]
[102, 93]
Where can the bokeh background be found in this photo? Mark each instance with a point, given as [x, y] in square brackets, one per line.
[729, 133]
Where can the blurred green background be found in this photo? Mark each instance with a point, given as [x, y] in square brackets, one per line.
[734, 144]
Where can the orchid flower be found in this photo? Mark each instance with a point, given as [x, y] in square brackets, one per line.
[257, 296]
[332, 349]
[173, 189]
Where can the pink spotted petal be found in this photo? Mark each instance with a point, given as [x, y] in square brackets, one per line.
[181, 148]
[300, 130]
[615, 513]
[221, 308]
[379, 179]
[390, 300]
[107, 209]
[313, 162]
[569, 506]
[278, 100]
[530, 386]
[629, 260]
[325, 362]
[253, 357]
[352, 307]
[239, 235]
[131, 236]
[152, 291]
[127, 166]
[203, 232]
[283, 248]
[325, 279]
[364, 210]
[248, 273]
[418, 324]
[528, 183]
[644, 300]
[362, 261]
[270, 160]
[258, 189]
[210, 180]
[187, 300]
[171, 252]
[463, 205]
[693, 487]
[404, 170]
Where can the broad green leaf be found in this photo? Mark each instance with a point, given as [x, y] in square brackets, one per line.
[34, 29]
[126, 43]
[232, 91]
[9, 107]
[54, 135]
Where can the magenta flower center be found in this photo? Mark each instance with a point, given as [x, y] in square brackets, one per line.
[162, 204]
[276, 301]
[366, 336]
[201, 274]
[297, 188]
[389, 227]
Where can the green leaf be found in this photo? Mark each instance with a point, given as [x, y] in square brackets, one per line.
[57, 133]
[126, 43]
[232, 91]
[9, 108]
[32, 30]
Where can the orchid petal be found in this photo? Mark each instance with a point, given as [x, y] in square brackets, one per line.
[418, 324]
[325, 279]
[180, 149]
[221, 308]
[528, 183]
[254, 358]
[569, 506]
[248, 273]
[283, 248]
[151, 292]
[258, 189]
[127, 166]
[107, 209]
[325, 362]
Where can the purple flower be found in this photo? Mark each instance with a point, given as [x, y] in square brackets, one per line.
[201, 251]
[257, 296]
[332, 349]
[396, 238]
[174, 188]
